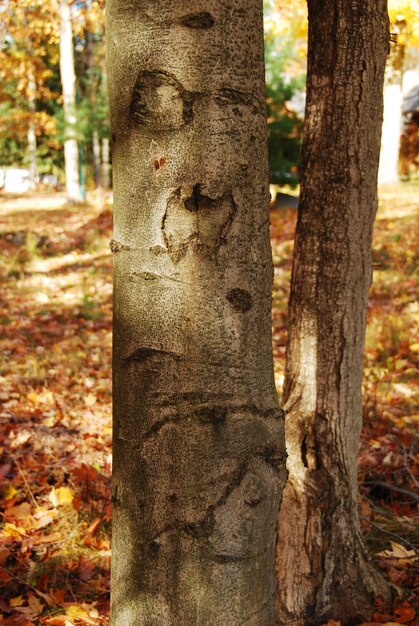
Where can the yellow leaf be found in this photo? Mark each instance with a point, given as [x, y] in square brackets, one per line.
[61, 496]
[82, 612]
[8, 492]
[18, 601]
[11, 530]
[36, 605]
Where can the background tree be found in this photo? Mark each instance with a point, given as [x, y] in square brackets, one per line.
[404, 26]
[285, 59]
[198, 443]
[25, 72]
[323, 565]
[68, 81]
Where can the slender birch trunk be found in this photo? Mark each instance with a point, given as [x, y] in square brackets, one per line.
[198, 445]
[388, 171]
[106, 167]
[96, 159]
[68, 81]
[31, 136]
[324, 569]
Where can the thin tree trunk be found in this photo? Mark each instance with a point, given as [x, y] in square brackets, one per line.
[106, 179]
[31, 136]
[96, 159]
[388, 171]
[198, 446]
[68, 81]
[324, 569]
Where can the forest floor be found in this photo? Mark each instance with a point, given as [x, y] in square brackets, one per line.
[55, 403]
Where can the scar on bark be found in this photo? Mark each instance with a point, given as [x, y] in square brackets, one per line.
[240, 300]
[142, 354]
[194, 220]
[158, 163]
[203, 20]
[160, 101]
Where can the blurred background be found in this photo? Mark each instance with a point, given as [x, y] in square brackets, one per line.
[56, 303]
[53, 94]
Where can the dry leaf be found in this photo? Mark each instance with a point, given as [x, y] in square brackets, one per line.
[61, 496]
[399, 552]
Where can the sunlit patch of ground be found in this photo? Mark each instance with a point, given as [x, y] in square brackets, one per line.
[55, 399]
[55, 410]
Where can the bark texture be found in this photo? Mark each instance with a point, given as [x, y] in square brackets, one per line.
[323, 566]
[68, 81]
[198, 448]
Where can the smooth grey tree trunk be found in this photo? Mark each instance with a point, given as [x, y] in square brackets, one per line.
[198, 447]
[106, 167]
[68, 81]
[388, 171]
[31, 136]
[96, 159]
[324, 569]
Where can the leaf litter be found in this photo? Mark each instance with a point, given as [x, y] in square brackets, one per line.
[55, 404]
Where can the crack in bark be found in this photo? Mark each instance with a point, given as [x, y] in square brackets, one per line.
[217, 415]
[149, 276]
[140, 355]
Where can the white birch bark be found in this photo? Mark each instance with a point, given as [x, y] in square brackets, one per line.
[68, 81]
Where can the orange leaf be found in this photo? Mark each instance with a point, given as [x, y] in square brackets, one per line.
[404, 614]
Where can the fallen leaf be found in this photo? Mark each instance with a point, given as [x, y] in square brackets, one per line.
[8, 491]
[11, 530]
[61, 496]
[399, 552]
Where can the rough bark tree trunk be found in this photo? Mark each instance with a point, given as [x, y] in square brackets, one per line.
[323, 565]
[68, 81]
[198, 448]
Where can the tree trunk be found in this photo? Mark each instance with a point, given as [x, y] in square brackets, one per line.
[198, 448]
[323, 565]
[106, 179]
[96, 159]
[33, 170]
[388, 171]
[68, 81]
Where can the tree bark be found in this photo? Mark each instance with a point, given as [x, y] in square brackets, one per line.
[324, 569]
[198, 447]
[68, 81]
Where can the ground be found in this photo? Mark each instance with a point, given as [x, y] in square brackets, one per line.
[55, 402]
